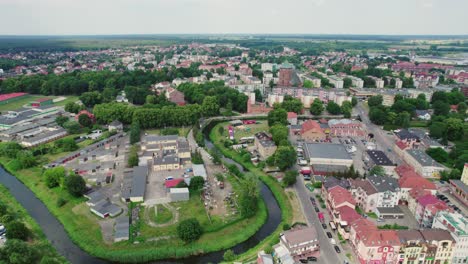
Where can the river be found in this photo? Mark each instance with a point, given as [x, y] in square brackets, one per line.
[57, 235]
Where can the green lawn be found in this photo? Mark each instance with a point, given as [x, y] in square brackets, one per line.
[163, 215]
[372, 215]
[183, 131]
[248, 130]
[68, 99]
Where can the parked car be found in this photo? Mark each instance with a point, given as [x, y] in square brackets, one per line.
[317, 209]
[311, 258]
[324, 226]
[2, 230]
[303, 260]
[312, 199]
[329, 235]
[337, 249]
[169, 178]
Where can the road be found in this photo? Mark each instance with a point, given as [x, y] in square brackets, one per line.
[327, 252]
[380, 136]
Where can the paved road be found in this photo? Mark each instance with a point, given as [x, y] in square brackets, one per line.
[380, 136]
[327, 252]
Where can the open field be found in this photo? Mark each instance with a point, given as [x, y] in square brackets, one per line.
[183, 131]
[248, 130]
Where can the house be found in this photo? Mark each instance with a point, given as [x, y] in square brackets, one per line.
[179, 194]
[379, 158]
[300, 242]
[410, 139]
[423, 115]
[292, 118]
[423, 163]
[264, 144]
[427, 207]
[457, 225]
[365, 195]
[409, 179]
[327, 154]
[115, 126]
[175, 96]
[311, 131]
[346, 127]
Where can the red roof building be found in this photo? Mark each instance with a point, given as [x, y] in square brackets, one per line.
[173, 183]
[311, 130]
[4, 98]
[338, 197]
[85, 112]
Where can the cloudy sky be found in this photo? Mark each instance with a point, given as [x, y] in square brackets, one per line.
[90, 17]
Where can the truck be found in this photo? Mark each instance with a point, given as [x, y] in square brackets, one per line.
[306, 170]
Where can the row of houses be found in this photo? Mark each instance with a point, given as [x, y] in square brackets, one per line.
[374, 245]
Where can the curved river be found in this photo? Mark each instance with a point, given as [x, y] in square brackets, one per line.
[56, 234]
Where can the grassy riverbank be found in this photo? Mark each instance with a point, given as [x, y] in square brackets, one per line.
[83, 228]
[38, 240]
[272, 183]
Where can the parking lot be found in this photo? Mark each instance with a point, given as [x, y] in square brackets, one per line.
[407, 220]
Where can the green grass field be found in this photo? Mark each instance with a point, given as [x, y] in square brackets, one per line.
[247, 130]
[183, 131]
[163, 215]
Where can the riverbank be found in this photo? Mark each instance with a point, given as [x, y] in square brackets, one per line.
[84, 231]
[38, 240]
[270, 182]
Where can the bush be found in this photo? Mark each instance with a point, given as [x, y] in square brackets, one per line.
[196, 183]
[17, 230]
[290, 178]
[268, 249]
[286, 226]
[317, 185]
[54, 177]
[61, 202]
[229, 255]
[189, 230]
[169, 131]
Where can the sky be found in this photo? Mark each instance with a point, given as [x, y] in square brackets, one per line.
[103, 17]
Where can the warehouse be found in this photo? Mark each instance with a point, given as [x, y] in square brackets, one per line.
[327, 154]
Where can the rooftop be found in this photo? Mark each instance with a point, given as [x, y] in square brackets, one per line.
[326, 151]
[139, 181]
[456, 220]
[383, 183]
[423, 159]
[298, 236]
[378, 157]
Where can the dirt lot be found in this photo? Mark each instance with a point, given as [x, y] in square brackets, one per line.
[298, 216]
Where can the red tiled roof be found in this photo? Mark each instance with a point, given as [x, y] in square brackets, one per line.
[379, 238]
[348, 214]
[428, 199]
[415, 181]
[310, 125]
[173, 183]
[340, 195]
[292, 115]
[418, 192]
[402, 145]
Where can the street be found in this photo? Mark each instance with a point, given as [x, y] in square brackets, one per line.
[327, 252]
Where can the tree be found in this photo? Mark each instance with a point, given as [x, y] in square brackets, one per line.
[441, 108]
[85, 121]
[292, 105]
[279, 133]
[60, 120]
[133, 157]
[317, 107]
[196, 183]
[403, 119]
[17, 230]
[210, 106]
[189, 230]
[72, 107]
[308, 84]
[135, 133]
[90, 99]
[333, 108]
[454, 129]
[438, 154]
[347, 82]
[377, 116]
[26, 159]
[136, 95]
[18, 252]
[72, 127]
[354, 101]
[248, 197]
[278, 116]
[285, 157]
[54, 176]
[438, 130]
[461, 107]
[377, 170]
[75, 185]
[375, 100]
[258, 95]
[290, 178]
[66, 144]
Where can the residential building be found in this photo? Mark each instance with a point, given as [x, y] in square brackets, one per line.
[425, 80]
[301, 242]
[365, 195]
[423, 115]
[440, 245]
[460, 190]
[356, 82]
[379, 158]
[166, 163]
[423, 163]
[346, 127]
[327, 154]
[409, 180]
[427, 207]
[375, 192]
[336, 81]
[175, 96]
[269, 67]
[311, 131]
[292, 118]
[457, 225]
[264, 144]
[412, 247]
